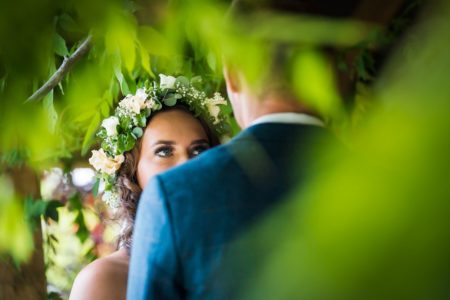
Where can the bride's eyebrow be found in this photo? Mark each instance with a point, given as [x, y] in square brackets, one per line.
[163, 143]
[201, 141]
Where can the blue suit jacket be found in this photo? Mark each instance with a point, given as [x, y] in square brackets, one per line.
[188, 216]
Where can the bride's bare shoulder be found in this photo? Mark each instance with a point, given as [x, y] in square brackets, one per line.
[104, 278]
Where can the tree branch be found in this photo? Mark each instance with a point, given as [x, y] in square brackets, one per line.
[67, 64]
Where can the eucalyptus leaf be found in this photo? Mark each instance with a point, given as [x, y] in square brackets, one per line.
[138, 132]
[196, 81]
[170, 101]
[157, 105]
[182, 80]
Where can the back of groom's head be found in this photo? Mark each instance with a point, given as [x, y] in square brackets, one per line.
[276, 40]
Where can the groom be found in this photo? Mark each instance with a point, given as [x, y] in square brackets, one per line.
[189, 216]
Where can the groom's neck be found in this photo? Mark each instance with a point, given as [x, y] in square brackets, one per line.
[271, 105]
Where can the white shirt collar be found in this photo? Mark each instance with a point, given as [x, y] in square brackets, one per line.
[289, 118]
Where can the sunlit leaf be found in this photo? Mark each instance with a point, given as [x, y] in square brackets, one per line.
[153, 41]
[50, 110]
[90, 133]
[315, 83]
[15, 235]
[145, 60]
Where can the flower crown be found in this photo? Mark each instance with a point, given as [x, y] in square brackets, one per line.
[120, 132]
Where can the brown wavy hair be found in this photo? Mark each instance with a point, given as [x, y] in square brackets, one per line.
[128, 187]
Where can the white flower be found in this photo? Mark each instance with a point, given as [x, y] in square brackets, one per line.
[111, 198]
[52, 183]
[141, 95]
[102, 163]
[110, 125]
[150, 103]
[213, 106]
[135, 103]
[167, 82]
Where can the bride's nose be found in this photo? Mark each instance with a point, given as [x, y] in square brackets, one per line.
[183, 157]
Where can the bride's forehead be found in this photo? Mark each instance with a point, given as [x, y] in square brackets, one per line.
[173, 124]
[173, 119]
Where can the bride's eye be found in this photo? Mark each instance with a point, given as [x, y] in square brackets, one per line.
[198, 149]
[164, 152]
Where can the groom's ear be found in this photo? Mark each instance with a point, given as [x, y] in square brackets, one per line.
[231, 78]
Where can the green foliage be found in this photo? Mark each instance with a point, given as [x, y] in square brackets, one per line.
[315, 82]
[130, 46]
[95, 187]
[15, 235]
[90, 133]
[374, 223]
[59, 45]
[76, 205]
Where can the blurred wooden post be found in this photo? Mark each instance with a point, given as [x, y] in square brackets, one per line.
[28, 282]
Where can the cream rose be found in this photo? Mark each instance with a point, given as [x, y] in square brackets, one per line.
[135, 103]
[102, 163]
[110, 125]
[167, 82]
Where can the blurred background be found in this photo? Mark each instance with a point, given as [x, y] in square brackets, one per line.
[373, 226]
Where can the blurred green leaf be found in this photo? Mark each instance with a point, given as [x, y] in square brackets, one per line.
[315, 83]
[51, 211]
[50, 110]
[60, 45]
[145, 60]
[120, 37]
[90, 133]
[68, 23]
[15, 235]
[153, 41]
[82, 232]
[104, 109]
[75, 203]
[182, 80]
[95, 187]
[122, 82]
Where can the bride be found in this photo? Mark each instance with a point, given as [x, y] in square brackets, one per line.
[158, 128]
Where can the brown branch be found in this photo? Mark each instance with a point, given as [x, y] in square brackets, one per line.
[65, 67]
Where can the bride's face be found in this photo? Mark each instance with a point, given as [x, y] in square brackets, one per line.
[171, 138]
